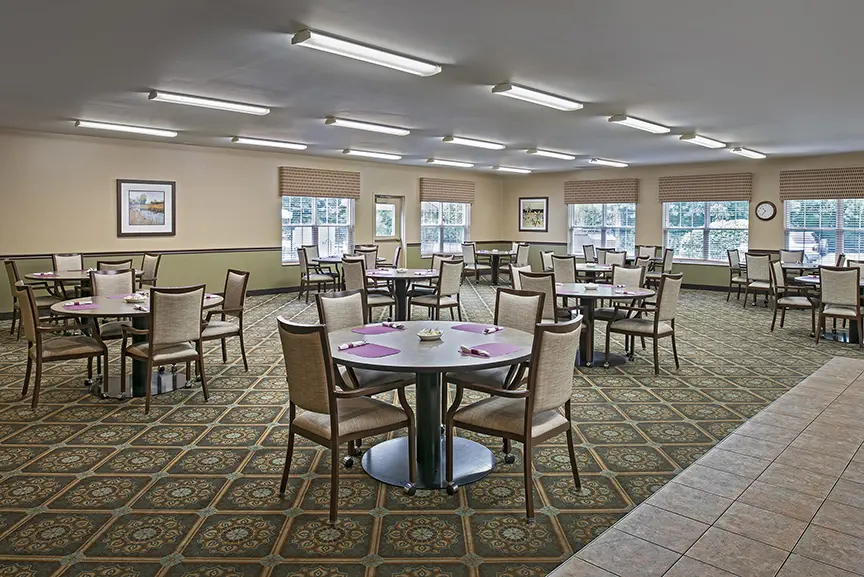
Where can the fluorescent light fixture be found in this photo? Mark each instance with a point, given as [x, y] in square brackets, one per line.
[747, 152]
[455, 163]
[536, 96]
[371, 127]
[694, 138]
[607, 162]
[550, 154]
[368, 154]
[333, 45]
[511, 169]
[125, 128]
[160, 96]
[638, 124]
[472, 142]
[270, 143]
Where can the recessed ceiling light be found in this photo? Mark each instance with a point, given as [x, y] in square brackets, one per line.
[270, 143]
[747, 152]
[638, 124]
[607, 162]
[536, 96]
[357, 51]
[472, 142]
[369, 126]
[550, 154]
[694, 138]
[455, 163]
[125, 128]
[160, 96]
[368, 154]
[511, 169]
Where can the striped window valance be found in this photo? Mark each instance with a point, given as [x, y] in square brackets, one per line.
[297, 181]
[706, 187]
[601, 191]
[822, 183]
[444, 190]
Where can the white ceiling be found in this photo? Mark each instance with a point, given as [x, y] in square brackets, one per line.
[784, 77]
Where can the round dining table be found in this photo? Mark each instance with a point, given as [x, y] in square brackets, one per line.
[338, 259]
[588, 301]
[76, 276]
[429, 360]
[115, 306]
[401, 278]
[495, 259]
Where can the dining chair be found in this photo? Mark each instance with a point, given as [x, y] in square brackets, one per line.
[785, 297]
[331, 417]
[173, 335]
[233, 305]
[660, 326]
[469, 257]
[520, 259]
[446, 294]
[546, 260]
[354, 278]
[564, 268]
[791, 256]
[531, 415]
[758, 276]
[615, 257]
[149, 270]
[427, 286]
[370, 254]
[644, 262]
[601, 254]
[652, 278]
[648, 250]
[589, 253]
[515, 278]
[543, 282]
[310, 275]
[737, 273]
[621, 275]
[841, 260]
[60, 348]
[67, 262]
[43, 303]
[397, 257]
[523, 251]
[105, 283]
[114, 264]
[840, 298]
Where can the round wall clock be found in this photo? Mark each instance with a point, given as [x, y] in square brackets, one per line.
[766, 210]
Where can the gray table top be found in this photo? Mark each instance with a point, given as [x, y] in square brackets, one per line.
[67, 275]
[591, 267]
[603, 291]
[439, 356]
[814, 280]
[402, 273]
[116, 307]
[492, 251]
[338, 259]
[799, 265]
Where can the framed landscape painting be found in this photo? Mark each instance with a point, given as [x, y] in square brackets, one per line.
[146, 208]
[533, 214]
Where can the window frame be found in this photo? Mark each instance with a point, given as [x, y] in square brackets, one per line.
[839, 229]
[393, 204]
[705, 228]
[604, 228]
[441, 225]
[315, 228]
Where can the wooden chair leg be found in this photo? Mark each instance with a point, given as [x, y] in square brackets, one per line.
[286, 470]
[201, 370]
[782, 317]
[656, 357]
[122, 373]
[105, 372]
[224, 352]
[14, 314]
[812, 321]
[819, 326]
[148, 388]
[774, 318]
[861, 332]
[27, 376]
[38, 384]
[334, 480]
[675, 352]
[571, 448]
[529, 482]
[452, 316]
[746, 291]
[729, 292]
[243, 352]
[608, 338]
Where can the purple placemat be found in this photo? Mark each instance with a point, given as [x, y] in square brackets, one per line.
[473, 328]
[495, 349]
[374, 330]
[373, 351]
[81, 307]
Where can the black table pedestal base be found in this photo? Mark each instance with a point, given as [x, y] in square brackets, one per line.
[599, 360]
[388, 462]
[160, 382]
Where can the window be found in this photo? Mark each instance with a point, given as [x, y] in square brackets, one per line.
[705, 230]
[385, 220]
[326, 222]
[603, 225]
[443, 226]
[825, 228]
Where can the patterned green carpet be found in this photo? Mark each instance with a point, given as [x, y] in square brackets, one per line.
[95, 488]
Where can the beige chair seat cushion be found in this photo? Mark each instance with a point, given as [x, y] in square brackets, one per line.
[113, 330]
[371, 378]
[608, 314]
[376, 299]
[68, 346]
[640, 326]
[802, 302]
[45, 301]
[508, 416]
[739, 279]
[355, 416]
[165, 354]
[318, 277]
[496, 377]
[838, 311]
[653, 275]
[477, 266]
[216, 329]
[432, 300]
[758, 284]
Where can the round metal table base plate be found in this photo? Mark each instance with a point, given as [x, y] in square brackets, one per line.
[388, 462]
[600, 358]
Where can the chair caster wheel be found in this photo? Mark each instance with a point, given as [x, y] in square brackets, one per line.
[509, 458]
[605, 365]
[410, 489]
[348, 462]
[451, 488]
[88, 382]
[103, 396]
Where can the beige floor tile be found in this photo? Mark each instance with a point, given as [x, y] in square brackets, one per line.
[842, 518]
[736, 463]
[628, 556]
[765, 526]
[792, 477]
[811, 460]
[833, 431]
[713, 481]
[575, 567]
[798, 566]
[737, 554]
[848, 493]
[689, 567]
[751, 447]
[796, 424]
[833, 548]
[801, 407]
[836, 447]
[692, 503]
[787, 502]
[766, 432]
[662, 527]
[855, 471]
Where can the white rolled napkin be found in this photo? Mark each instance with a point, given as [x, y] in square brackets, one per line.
[490, 330]
[351, 345]
[470, 351]
[393, 325]
[142, 308]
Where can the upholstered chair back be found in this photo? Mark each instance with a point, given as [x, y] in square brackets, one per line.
[354, 273]
[450, 278]
[840, 286]
[552, 361]
[631, 277]
[758, 268]
[114, 264]
[64, 262]
[308, 365]
[175, 314]
[112, 282]
[515, 279]
[667, 296]
[541, 283]
[342, 310]
[564, 268]
[520, 310]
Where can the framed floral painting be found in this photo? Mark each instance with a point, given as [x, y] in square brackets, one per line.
[533, 214]
[146, 208]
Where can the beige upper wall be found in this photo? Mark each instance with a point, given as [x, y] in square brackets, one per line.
[58, 194]
[649, 210]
